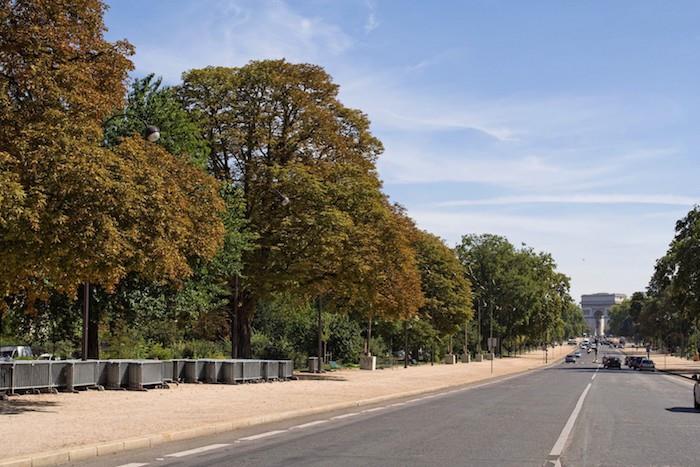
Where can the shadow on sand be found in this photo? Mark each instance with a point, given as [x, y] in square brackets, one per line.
[18, 406]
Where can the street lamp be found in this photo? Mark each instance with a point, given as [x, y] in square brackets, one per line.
[151, 134]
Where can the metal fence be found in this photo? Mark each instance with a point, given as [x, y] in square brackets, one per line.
[145, 373]
[69, 375]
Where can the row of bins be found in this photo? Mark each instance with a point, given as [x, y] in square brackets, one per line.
[230, 371]
[134, 374]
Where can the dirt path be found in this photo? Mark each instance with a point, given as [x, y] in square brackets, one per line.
[41, 423]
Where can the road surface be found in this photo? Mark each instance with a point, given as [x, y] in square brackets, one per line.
[568, 414]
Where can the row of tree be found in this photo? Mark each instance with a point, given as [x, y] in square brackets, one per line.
[667, 313]
[261, 196]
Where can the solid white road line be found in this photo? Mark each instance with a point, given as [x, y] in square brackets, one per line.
[190, 452]
[556, 451]
[307, 425]
[133, 464]
[262, 435]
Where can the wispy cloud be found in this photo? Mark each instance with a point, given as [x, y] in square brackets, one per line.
[588, 198]
[234, 33]
[372, 22]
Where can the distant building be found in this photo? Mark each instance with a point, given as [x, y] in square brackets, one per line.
[596, 308]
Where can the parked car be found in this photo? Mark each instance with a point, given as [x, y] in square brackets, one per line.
[634, 362]
[12, 352]
[646, 365]
[612, 362]
[570, 359]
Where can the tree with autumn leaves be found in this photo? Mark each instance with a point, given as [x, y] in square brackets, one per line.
[75, 210]
[263, 189]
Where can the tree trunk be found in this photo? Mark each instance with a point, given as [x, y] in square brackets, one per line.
[244, 326]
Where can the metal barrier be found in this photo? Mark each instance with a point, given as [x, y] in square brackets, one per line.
[231, 371]
[6, 377]
[252, 370]
[270, 369]
[134, 374]
[59, 374]
[179, 370]
[31, 375]
[286, 369]
[212, 371]
[145, 373]
[167, 370]
[195, 371]
[117, 372]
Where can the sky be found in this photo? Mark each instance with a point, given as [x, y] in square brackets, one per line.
[570, 126]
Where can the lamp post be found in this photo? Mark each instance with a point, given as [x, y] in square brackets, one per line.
[151, 134]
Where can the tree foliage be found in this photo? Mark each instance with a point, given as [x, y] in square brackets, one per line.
[88, 213]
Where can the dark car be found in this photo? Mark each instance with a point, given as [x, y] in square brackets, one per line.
[634, 362]
[570, 359]
[612, 362]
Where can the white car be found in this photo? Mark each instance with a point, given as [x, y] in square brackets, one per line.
[12, 352]
[577, 354]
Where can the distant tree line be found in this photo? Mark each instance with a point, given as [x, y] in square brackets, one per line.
[667, 314]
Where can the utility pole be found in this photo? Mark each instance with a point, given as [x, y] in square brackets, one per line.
[320, 335]
[405, 343]
[491, 335]
[86, 317]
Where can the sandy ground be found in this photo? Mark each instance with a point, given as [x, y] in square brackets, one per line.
[40, 423]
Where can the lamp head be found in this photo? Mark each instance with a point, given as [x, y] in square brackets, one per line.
[151, 133]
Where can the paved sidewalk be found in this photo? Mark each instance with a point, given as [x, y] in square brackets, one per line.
[46, 423]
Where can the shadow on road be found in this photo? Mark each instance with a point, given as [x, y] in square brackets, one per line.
[683, 410]
[18, 406]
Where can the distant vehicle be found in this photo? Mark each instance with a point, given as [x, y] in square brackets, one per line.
[577, 354]
[47, 356]
[570, 359]
[696, 392]
[586, 341]
[612, 362]
[589, 350]
[634, 362]
[646, 365]
[12, 352]
[571, 342]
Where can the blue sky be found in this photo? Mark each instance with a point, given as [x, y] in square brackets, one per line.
[571, 126]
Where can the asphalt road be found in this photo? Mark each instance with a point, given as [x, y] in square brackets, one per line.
[568, 414]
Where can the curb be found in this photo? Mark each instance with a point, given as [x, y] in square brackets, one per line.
[82, 453]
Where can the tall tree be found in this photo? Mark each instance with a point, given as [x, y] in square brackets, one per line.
[448, 298]
[278, 131]
[86, 212]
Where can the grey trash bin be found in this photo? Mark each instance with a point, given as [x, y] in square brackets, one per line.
[145, 373]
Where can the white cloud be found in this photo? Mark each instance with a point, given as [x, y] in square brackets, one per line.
[372, 22]
[237, 32]
[586, 198]
[604, 251]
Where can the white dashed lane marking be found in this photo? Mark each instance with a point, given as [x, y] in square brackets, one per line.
[262, 435]
[191, 452]
[307, 425]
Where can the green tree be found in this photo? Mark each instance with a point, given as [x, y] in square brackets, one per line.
[85, 212]
[448, 299]
[305, 166]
